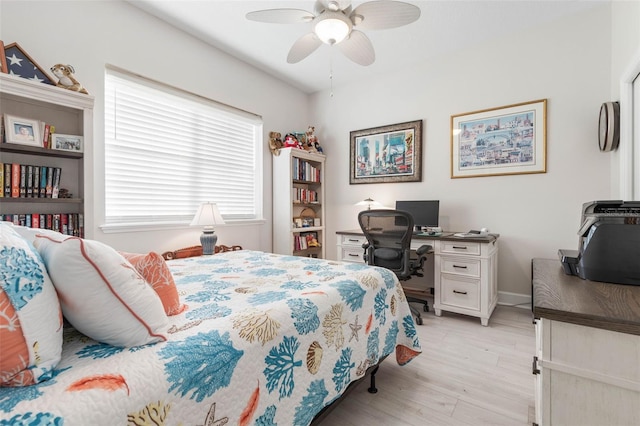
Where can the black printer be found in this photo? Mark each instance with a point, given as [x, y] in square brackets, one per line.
[609, 243]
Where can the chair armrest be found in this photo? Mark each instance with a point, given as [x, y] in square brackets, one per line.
[423, 249]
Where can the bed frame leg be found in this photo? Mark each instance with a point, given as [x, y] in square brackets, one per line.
[372, 388]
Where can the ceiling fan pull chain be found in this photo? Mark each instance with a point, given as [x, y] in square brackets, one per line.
[331, 71]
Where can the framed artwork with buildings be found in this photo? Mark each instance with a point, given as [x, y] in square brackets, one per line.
[506, 140]
[390, 153]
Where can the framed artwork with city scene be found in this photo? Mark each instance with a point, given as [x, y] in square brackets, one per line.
[390, 153]
[506, 140]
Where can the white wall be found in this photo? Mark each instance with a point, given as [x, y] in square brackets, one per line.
[535, 215]
[91, 34]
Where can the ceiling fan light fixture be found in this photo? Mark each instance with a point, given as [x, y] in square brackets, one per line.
[332, 27]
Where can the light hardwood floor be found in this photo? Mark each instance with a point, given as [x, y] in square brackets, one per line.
[467, 374]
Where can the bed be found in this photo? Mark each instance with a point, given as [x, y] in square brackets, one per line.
[266, 339]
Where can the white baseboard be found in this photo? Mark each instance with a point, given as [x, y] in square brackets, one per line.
[514, 299]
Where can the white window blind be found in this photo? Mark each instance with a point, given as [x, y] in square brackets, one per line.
[166, 151]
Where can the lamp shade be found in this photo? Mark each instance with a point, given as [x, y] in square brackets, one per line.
[207, 216]
[369, 202]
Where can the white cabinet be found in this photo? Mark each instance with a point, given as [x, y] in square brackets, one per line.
[72, 114]
[587, 359]
[298, 203]
[465, 279]
[350, 248]
[586, 375]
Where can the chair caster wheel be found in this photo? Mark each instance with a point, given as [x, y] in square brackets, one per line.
[426, 308]
[419, 320]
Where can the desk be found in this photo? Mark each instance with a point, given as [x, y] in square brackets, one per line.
[465, 271]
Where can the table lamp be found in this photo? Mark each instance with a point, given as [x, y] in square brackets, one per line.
[369, 202]
[207, 216]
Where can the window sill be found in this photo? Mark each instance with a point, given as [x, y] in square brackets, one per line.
[114, 228]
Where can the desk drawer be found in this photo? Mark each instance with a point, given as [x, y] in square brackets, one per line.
[462, 247]
[351, 254]
[460, 266]
[352, 240]
[459, 292]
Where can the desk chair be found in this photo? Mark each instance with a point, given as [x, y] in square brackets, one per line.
[388, 245]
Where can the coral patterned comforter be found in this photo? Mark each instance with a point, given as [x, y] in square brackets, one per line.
[267, 340]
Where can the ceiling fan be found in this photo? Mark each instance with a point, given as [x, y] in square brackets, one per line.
[335, 22]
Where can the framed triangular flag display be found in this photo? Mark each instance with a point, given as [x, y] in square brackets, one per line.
[20, 63]
[3, 59]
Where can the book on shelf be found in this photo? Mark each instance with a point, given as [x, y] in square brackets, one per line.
[55, 187]
[2, 179]
[45, 132]
[23, 181]
[49, 186]
[36, 182]
[15, 180]
[7, 180]
[42, 189]
[29, 181]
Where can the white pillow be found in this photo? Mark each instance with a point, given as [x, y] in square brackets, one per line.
[101, 293]
[29, 234]
[31, 321]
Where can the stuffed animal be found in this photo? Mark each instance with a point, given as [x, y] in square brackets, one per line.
[291, 141]
[66, 78]
[275, 142]
[312, 140]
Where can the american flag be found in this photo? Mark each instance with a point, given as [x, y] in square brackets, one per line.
[20, 64]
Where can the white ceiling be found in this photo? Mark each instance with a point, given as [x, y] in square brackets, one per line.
[444, 26]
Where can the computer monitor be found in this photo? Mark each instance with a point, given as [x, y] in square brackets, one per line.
[424, 212]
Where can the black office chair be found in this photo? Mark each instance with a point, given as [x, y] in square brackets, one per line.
[388, 245]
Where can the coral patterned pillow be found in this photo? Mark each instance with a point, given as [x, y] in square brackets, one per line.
[30, 317]
[101, 294]
[155, 271]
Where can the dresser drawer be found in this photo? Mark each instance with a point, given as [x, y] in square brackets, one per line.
[462, 247]
[460, 266]
[352, 240]
[460, 292]
[351, 254]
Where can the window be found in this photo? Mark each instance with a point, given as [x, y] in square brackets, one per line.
[166, 151]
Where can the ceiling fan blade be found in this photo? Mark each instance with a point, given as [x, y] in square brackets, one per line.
[358, 48]
[381, 15]
[303, 47]
[281, 16]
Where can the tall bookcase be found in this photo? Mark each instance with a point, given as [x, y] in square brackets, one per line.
[298, 203]
[72, 114]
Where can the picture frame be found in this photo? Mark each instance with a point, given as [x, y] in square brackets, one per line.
[71, 143]
[22, 131]
[3, 59]
[386, 154]
[507, 140]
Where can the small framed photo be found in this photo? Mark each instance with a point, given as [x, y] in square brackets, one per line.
[66, 142]
[23, 131]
